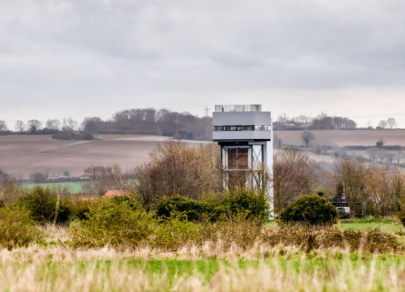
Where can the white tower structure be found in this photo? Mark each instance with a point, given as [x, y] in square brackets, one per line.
[245, 134]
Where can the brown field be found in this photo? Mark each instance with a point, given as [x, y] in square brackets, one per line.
[347, 138]
[24, 154]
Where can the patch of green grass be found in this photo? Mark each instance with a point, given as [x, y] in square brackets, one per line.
[73, 187]
[393, 227]
[386, 224]
[207, 269]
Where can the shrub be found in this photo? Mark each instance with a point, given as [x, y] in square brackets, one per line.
[41, 203]
[132, 202]
[255, 205]
[112, 223]
[309, 237]
[191, 210]
[312, 209]
[17, 229]
[68, 135]
[401, 217]
[176, 231]
[243, 201]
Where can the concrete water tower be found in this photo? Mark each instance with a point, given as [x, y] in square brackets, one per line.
[245, 134]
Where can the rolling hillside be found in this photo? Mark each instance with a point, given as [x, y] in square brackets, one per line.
[25, 154]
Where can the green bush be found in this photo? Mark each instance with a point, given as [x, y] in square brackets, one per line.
[111, 223]
[311, 209]
[17, 229]
[132, 202]
[41, 203]
[255, 205]
[191, 210]
[231, 204]
[175, 231]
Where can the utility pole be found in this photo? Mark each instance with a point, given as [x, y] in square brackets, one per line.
[207, 111]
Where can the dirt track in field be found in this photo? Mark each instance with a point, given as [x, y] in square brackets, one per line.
[23, 155]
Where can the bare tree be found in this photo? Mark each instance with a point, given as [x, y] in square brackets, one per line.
[351, 176]
[302, 119]
[379, 190]
[177, 169]
[398, 188]
[69, 124]
[372, 153]
[9, 188]
[282, 119]
[34, 125]
[53, 124]
[293, 174]
[19, 126]
[381, 155]
[389, 157]
[386, 189]
[392, 122]
[3, 126]
[307, 137]
[398, 155]
[103, 179]
[383, 124]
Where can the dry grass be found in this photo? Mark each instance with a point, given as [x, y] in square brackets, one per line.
[108, 270]
[207, 267]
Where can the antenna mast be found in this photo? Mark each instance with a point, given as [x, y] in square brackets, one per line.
[206, 110]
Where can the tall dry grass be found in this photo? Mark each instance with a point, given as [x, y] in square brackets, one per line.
[293, 271]
[278, 260]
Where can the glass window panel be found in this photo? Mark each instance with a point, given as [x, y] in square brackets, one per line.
[259, 128]
[217, 128]
[243, 158]
[237, 157]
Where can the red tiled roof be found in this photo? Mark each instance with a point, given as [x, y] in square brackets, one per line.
[113, 193]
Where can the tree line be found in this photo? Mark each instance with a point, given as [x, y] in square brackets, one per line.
[321, 122]
[325, 122]
[132, 121]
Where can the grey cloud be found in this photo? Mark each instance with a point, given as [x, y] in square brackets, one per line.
[173, 53]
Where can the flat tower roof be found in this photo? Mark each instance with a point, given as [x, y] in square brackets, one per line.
[239, 108]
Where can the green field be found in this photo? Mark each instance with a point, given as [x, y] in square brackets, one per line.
[73, 187]
[390, 225]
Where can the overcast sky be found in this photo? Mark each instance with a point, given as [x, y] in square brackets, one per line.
[80, 58]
